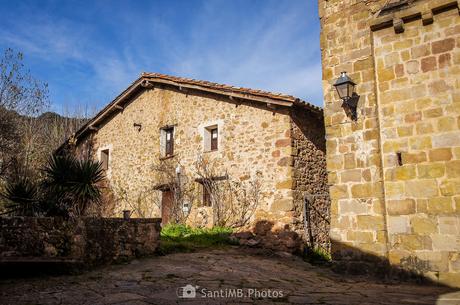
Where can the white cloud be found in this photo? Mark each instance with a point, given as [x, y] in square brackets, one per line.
[266, 56]
[267, 52]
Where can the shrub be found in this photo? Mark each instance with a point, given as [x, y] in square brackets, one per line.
[22, 197]
[72, 186]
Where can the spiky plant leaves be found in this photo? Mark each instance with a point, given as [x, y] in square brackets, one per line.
[84, 185]
[22, 196]
[72, 185]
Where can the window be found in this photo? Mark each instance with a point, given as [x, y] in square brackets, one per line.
[167, 141]
[214, 138]
[105, 159]
[211, 138]
[207, 187]
[206, 196]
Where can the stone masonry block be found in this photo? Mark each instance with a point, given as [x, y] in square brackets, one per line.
[440, 205]
[423, 225]
[440, 154]
[414, 242]
[453, 169]
[445, 242]
[446, 140]
[365, 190]
[406, 172]
[368, 222]
[420, 51]
[401, 207]
[449, 225]
[353, 175]
[361, 236]
[442, 46]
[431, 170]
[398, 224]
[352, 207]
[413, 157]
[394, 189]
[283, 205]
[339, 191]
[446, 124]
[421, 188]
[420, 142]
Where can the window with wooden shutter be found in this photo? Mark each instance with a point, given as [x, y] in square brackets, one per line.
[169, 141]
[211, 138]
[214, 138]
[206, 197]
[105, 159]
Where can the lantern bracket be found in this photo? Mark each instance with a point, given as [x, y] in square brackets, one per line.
[350, 105]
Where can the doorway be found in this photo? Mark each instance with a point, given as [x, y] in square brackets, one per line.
[166, 206]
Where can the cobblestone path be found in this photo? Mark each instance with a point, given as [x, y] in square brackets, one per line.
[225, 276]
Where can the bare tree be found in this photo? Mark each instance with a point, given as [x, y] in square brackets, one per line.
[171, 176]
[234, 202]
[143, 204]
[21, 96]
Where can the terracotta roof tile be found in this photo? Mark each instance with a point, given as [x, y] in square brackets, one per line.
[223, 87]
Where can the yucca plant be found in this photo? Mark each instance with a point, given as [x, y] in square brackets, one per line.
[22, 197]
[72, 185]
[85, 186]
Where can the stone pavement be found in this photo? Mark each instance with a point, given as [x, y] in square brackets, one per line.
[255, 276]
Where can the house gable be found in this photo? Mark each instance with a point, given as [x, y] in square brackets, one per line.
[237, 95]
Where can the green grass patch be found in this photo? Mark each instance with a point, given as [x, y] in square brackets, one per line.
[181, 238]
[317, 256]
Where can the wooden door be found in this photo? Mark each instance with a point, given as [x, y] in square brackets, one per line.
[166, 206]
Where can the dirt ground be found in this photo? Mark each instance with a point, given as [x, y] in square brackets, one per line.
[225, 276]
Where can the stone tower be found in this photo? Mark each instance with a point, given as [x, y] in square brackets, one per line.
[394, 171]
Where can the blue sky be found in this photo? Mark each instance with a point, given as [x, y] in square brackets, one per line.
[89, 51]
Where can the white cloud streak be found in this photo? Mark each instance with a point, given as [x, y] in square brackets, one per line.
[267, 53]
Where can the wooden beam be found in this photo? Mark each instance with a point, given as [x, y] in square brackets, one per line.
[245, 96]
[92, 128]
[271, 106]
[118, 107]
[146, 84]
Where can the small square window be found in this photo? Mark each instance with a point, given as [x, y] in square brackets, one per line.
[105, 159]
[211, 138]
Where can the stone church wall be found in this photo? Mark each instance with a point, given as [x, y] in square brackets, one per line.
[394, 172]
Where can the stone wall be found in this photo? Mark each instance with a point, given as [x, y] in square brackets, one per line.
[393, 172]
[311, 196]
[88, 240]
[251, 140]
[255, 139]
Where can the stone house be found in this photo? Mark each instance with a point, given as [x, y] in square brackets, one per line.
[246, 133]
[394, 171]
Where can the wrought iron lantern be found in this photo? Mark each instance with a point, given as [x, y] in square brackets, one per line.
[345, 87]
